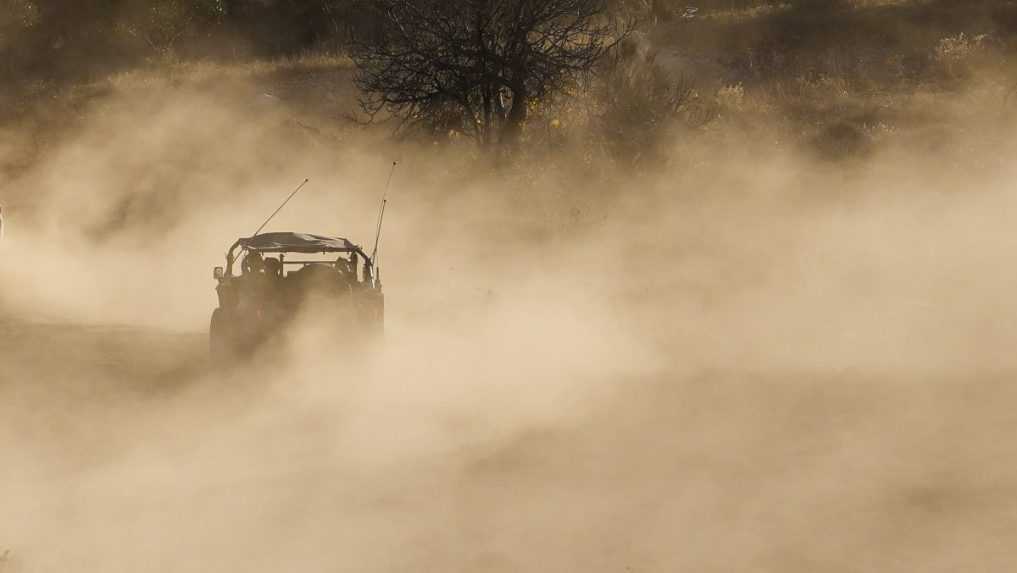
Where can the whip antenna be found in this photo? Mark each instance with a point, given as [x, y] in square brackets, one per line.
[272, 216]
[381, 215]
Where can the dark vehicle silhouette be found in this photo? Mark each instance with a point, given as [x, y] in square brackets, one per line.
[281, 274]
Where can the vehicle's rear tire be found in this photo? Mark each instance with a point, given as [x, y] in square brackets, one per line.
[220, 339]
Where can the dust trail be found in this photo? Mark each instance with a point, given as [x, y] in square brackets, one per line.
[769, 363]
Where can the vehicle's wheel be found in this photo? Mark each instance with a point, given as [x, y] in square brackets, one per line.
[220, 339]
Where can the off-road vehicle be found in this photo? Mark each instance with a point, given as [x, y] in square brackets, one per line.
[285, 275]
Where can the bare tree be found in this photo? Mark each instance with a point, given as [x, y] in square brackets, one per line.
[476, 66]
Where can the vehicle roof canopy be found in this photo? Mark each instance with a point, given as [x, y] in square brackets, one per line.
[297, 243]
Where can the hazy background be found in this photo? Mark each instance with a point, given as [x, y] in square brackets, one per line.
[768, 331]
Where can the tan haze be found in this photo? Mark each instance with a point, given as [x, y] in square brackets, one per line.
[749, 358]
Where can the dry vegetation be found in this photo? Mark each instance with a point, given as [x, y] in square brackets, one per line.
[833, 77]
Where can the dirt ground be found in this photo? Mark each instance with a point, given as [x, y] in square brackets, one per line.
[118, 463]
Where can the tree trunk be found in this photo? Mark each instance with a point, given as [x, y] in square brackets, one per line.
[516, 117]
[485, 139]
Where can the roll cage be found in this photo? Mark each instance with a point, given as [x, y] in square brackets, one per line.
[284, 243]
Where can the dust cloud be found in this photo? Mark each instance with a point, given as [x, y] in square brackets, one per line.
[768, 362]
